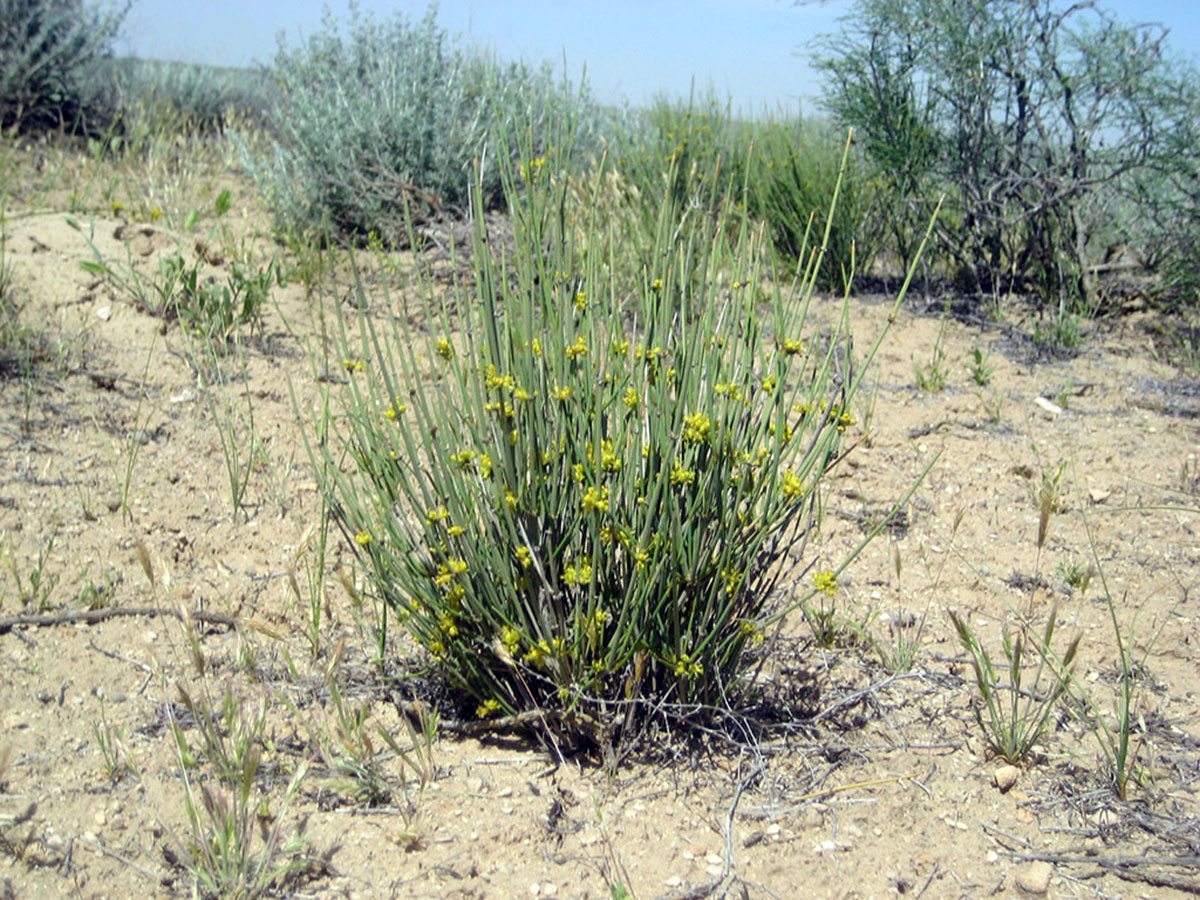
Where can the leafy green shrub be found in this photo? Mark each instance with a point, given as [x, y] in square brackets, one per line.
[388, 117]
[50, 51]
[582, 502]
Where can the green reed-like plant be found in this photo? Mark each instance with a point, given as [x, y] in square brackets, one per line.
[1018, 712]
[582, 500]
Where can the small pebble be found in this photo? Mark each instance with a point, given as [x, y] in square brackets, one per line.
[1036, 879]
[1005, 777]
[673, 882]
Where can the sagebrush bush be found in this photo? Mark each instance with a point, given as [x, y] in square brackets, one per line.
[581, 501]
[388, 116]
[50, 56]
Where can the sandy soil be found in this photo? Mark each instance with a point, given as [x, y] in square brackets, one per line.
[876, 784]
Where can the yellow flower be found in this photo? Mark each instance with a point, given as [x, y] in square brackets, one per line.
[562, 393]
[732, 578]
[595, 499]
[524, 557]
[681, 476]
[536, 346]
[363, 538]
[656, 285]
[436, 515]
[446, 623]
[751, 631]
[620, 348]
[791, 348]
[631, 398]
[579, 348]
[581, 301]
[825, 582]
[352, 365]
[697, 428]
[768, 383]
[156, 213]
[511, 638]
[609, 461]
[510, 498]
[537, 653]
[487, 708]
[445, 349]
[395, 411]
[497, 380]
[790, 484]
[455, 530]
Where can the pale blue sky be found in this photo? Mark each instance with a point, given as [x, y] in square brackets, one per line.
[745, 50]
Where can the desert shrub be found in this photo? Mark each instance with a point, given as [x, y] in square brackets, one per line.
[793, 169]
[688, 151]
[204, 96]
[388, 116]
[50, 56]
[580, 502]
[776, 170]
[1021, 112]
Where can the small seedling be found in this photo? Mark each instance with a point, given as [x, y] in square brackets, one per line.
[1077, 574]
[1049, 500]
[110, 738]
[931, 377]
[33, 589]
[979, 367]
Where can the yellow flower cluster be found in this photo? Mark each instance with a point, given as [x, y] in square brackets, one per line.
[487, 708]
[578, 574]
[595, 499]
[697, 428]
[825, 581]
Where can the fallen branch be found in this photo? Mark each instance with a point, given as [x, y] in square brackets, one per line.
[93, 616]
